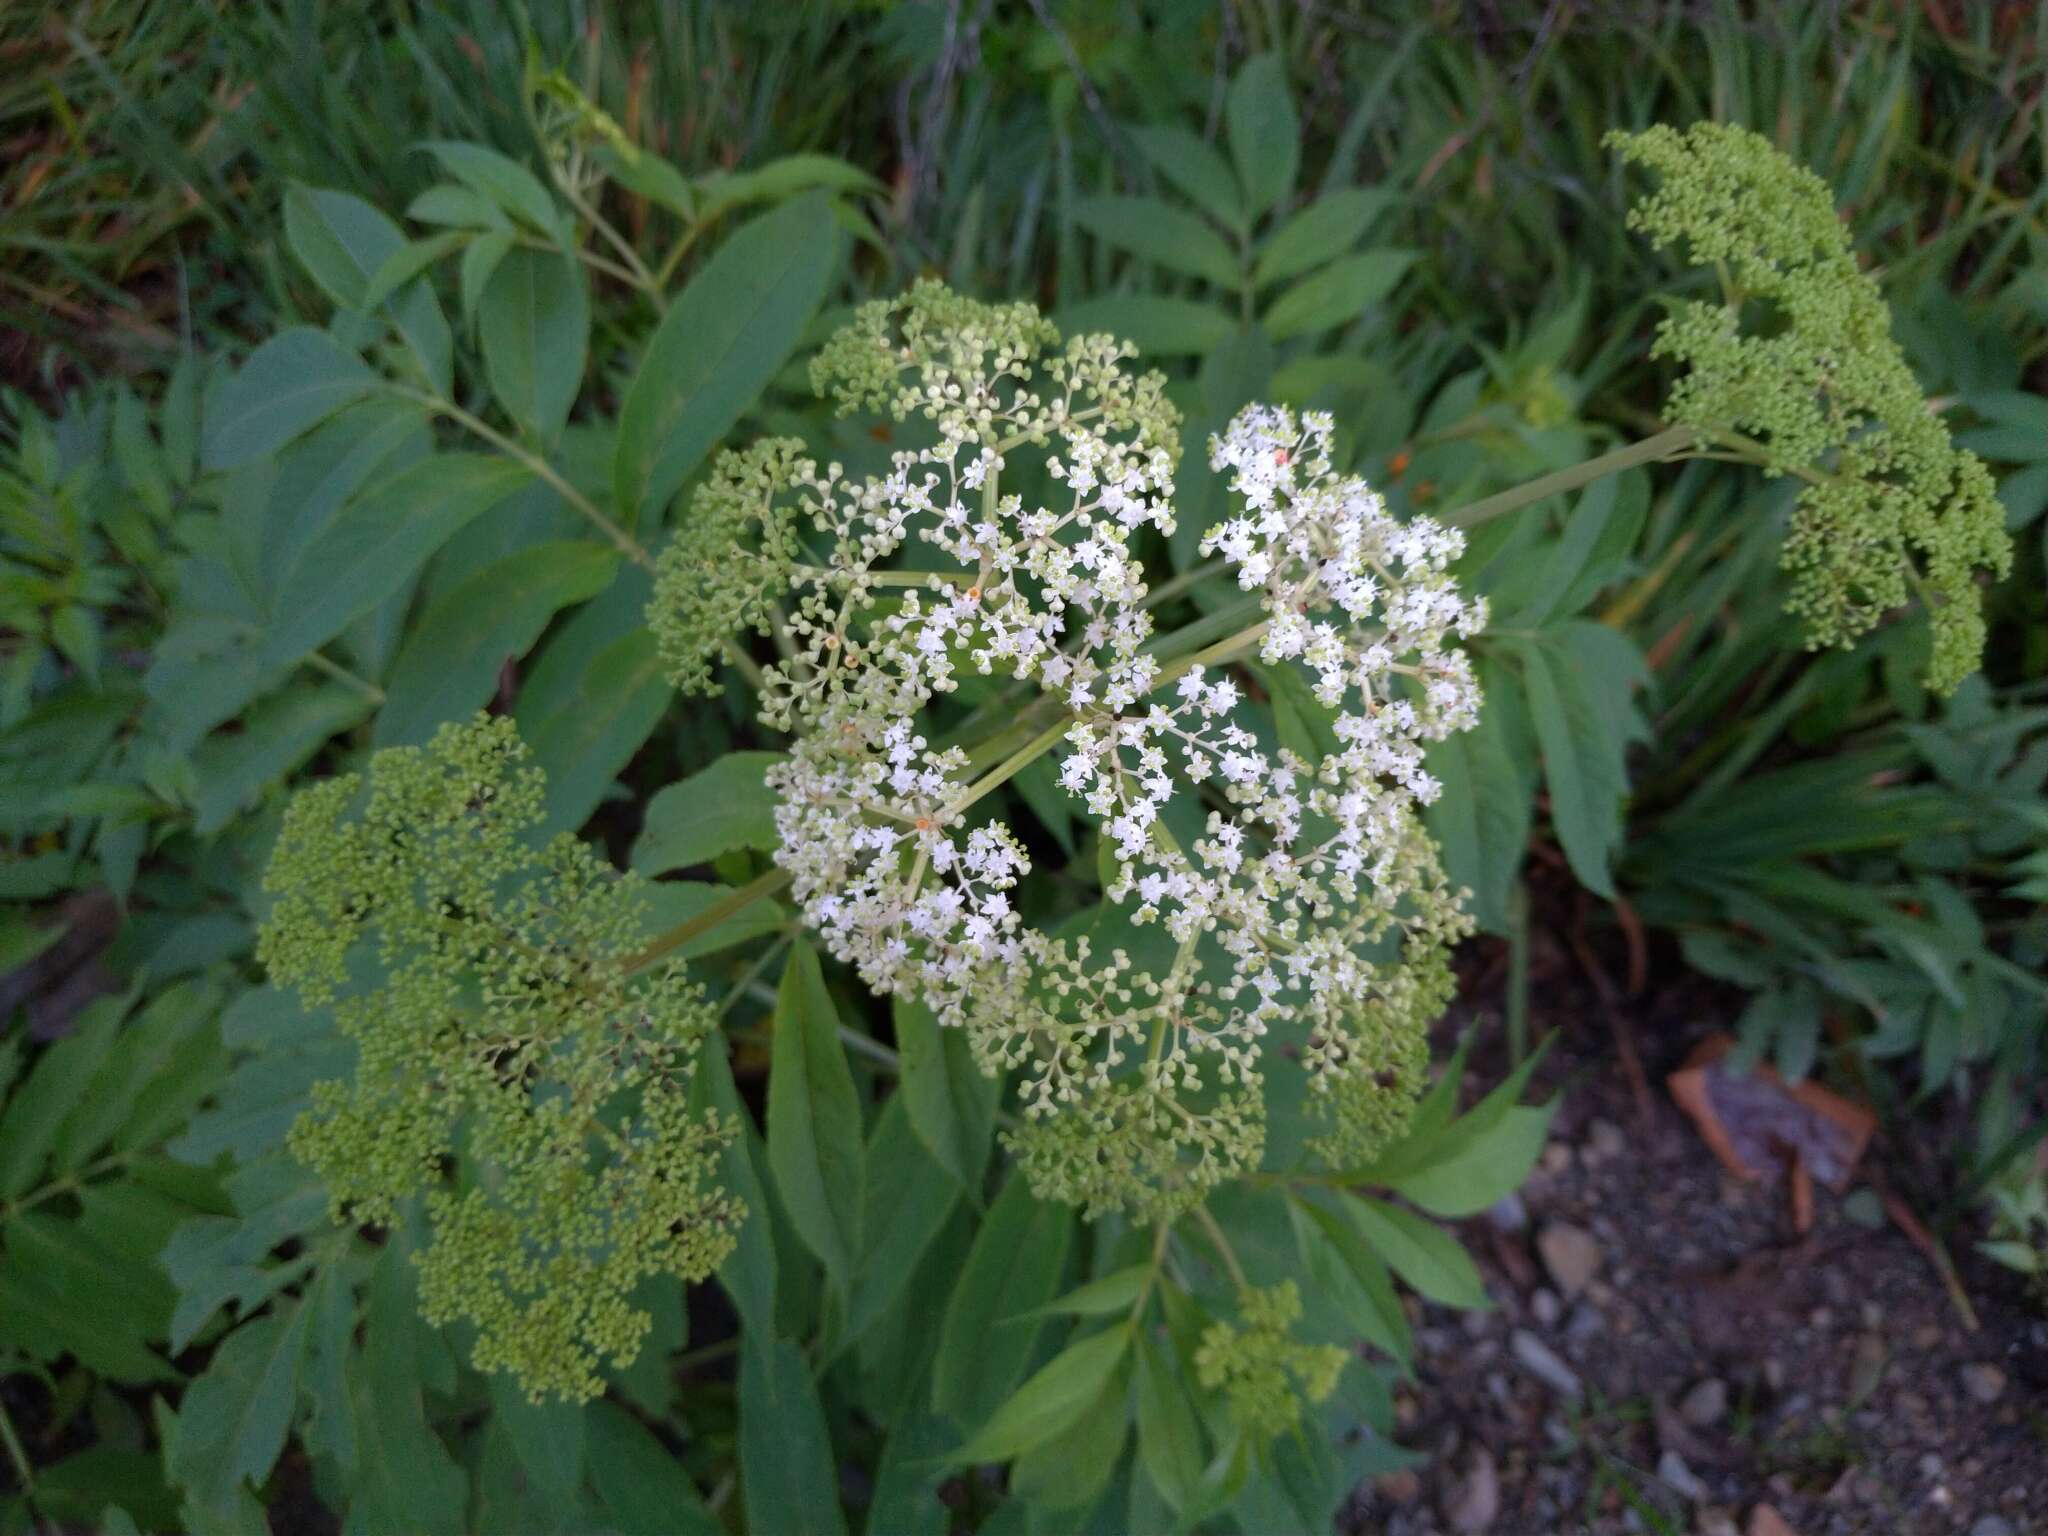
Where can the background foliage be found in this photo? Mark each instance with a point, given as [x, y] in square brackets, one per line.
[332, 421]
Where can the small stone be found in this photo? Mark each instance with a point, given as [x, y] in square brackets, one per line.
[1774, 1375]
[1766, 1521]
[1674, 1474]
[1713, 1520]
[1705, 1405]
[1930, 1466]
[1586, 1322]
[1473, 1501]
[1873, 1316]
[1570, 1254]
[1543, 1364]
[1866, 1370]
[1992, 1525]
[1557, 1158]
[1399, 1487]
[1546, 1307]
[1822, 1317]
[1606, 1140]
[1927, 1336]
[1983, 1381]
[1508, 1214]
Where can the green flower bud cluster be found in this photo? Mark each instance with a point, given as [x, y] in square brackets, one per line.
[1799, 357]
[1264, 1373]
[513, 1065]
[721, 573]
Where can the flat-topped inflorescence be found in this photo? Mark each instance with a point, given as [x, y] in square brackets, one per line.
[1299, 889]
[505, 1017]
[1798, 358]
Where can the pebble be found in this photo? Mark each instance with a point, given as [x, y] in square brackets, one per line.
[1570, 1253]
[1714, 1521]
[1866, 1370]
[1399, 1487]
[1546, 1307]
[1930, 1466]
[1766, 1521]
[1557, 1158]
[1674, 1474]
[1983, 1381]
[1508, 1214]
[1704, 1405]
[1607, 1142]
[1586, 1322]
[1543, 1364]
[1992, 1525]
[1472, 1503]
[1927, 1336]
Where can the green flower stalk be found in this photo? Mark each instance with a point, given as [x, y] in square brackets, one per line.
[511, 1065]
[1798, 366]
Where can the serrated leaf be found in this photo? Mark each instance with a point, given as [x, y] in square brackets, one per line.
[1196, 167]
[640, 1481]
[814, 1131]
[1265, 134]
[533, 324]
[291, 383]
[725, 336]
[345, 243]
[1160, 232]
[1487, 1171]
[786, 1464]
[1326, 228]
[1160, 327]
[1014, 1266]
[1115, 1292]
[749, 1271]
[951, 1102]
[1584, 763]
[380, 541]
[1338, 294]
[909, 1197]
[232, 1420]
[1170, 1445]
[33, 1115]
[452, 658]
[1419, 1251]
[505, 184]
[277, 736]
[1051, 1400]
[716, 810]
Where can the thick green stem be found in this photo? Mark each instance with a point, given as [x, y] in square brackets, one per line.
[1670, 443]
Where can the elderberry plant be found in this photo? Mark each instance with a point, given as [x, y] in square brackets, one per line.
[1276, 877]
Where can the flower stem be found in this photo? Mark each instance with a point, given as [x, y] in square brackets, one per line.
[1670, 443]
[758, 889]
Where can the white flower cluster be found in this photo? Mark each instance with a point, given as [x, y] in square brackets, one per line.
[1288, 869]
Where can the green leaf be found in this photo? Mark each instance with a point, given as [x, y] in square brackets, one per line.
[1326, 228]
[592, 699]
[1481, 819]
[277, 736]
[452, 659]
[380, 541]
[291, 383]
[409, 261]
[548, 1441]
[1015, 1265]
[909, 1198]
[1338, 294]
[1265, 135]
[1421, 1252]
[1196, 167]
[723, 339]
[479, 260]
[1340, 1267]
[1169, 1437]
[748, 1273]
[1069, 1471]
[505, 184]
[640, 1481]
[232, 1420]
[404, 1479]
[907, 1483]
[1160, 327]
[346, 244]
[814, 1132]
[782, 178]
[1160, 232]
[1114, 1292]
[533, 321]
[1487, 1171]
[715, 810]
[31, 1118]
[786, 1464]
[1584, 749]
[951, 1102]
[1051, 1400]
